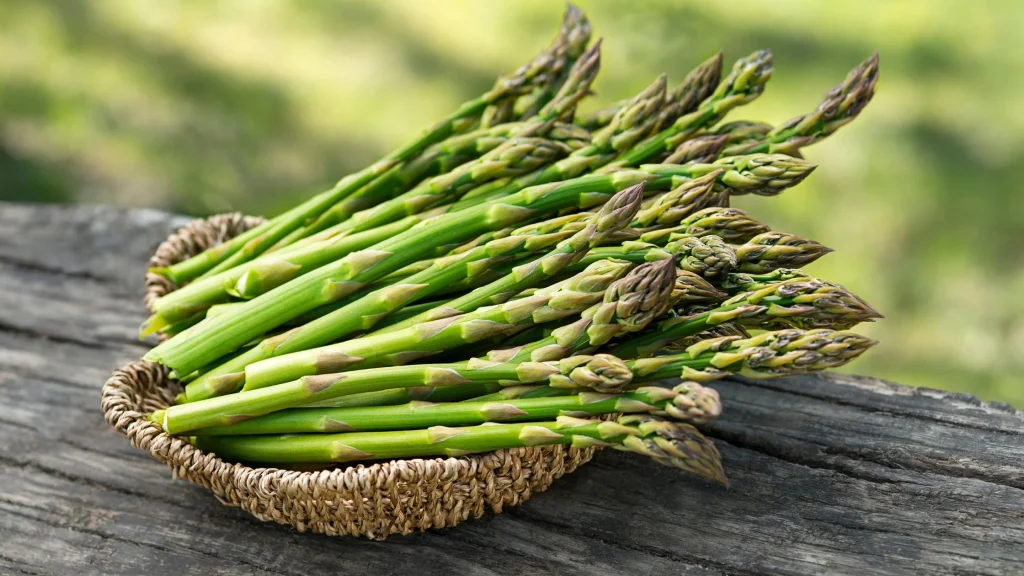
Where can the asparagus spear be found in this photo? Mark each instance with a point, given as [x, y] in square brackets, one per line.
[709, 256]
[841, 105]
[415, 394]
[767, 355]
[742, 85]
[731, 224]
[596, 372]
[673, 206]
[688, 401]
[713, 332]
[262, 274]
[440, 158]
[427, 338]
[673, 444]
[771, 250]
[701, 149]
[737, 282]
[571, 42]
[630, 124]
[260, 238]
[614, 317]
[494, 165]
[800, 302]
[218, 336]
[363, 312]
[699, 84]
[615, 215]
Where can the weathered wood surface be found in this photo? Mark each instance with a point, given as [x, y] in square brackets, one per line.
[829, 474]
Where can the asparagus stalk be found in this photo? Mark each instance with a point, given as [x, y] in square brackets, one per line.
[611, 319]
[512, 160]
[615, 215]
[674, 444]
[688, 401]
[714, 332]
[708, 256]
[702, 149]
[730, 224]
[698, 85]
[363, 312]
[767, 355]
[673, 206]
[841, 105]
[800, 302]
[424, 339]
[771, 250]
[631, 123]
[597, 372]
[440, 158]
[262, 274]
[737, 282]
[395, 396]
[742, 85]
[571, 42]
[218, 336]
[260, 238]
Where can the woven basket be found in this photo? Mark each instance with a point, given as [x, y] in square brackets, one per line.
[397, 497]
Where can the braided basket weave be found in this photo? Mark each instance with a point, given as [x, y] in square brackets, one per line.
[397, 497]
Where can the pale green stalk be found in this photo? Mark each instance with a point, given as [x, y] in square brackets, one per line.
[673, 444]
[428, 338]
[690, 402]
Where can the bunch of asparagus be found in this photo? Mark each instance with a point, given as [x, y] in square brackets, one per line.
[518, 275]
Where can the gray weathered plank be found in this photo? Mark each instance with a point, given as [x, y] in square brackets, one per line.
[829, 473]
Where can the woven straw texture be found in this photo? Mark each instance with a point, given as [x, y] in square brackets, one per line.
[375, 501]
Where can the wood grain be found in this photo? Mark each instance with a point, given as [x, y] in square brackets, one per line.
[830, 474]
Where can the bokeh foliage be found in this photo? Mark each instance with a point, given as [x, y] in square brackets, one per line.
[200, 107]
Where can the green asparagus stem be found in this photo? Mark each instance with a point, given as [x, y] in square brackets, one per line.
[554, 62]
[262, 274]
[842, 104]
[742, 85]
[800, 302]
[218, 336]
[713, 332]
[440, 158]
[615, 215]
[698, 85]
[737, 282]
[767, 355]
[516, 157]
[619, 314]
[424, 339]
[365, 311]
[673, 444]
[260, 238]
[395, 396]
[522, 391]
[631, 124]
[689, 401]
[600, 372]
[673, 206]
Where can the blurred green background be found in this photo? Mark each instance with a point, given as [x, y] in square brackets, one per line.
[201, 107]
